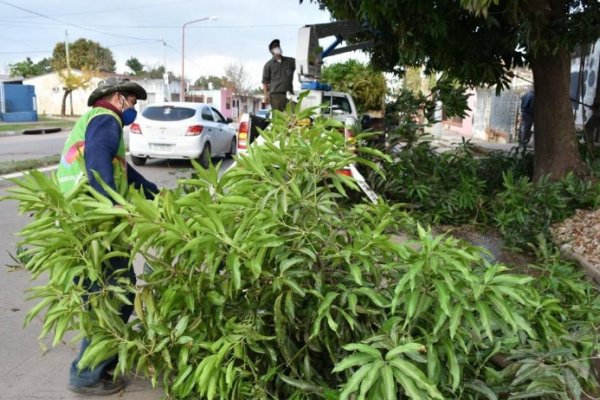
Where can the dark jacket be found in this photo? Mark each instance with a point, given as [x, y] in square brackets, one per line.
[102, 139]
[527, 103]
[279, 75]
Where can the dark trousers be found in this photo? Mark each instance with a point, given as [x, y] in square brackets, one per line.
[525, 131]
[87, 376]
[278, 101]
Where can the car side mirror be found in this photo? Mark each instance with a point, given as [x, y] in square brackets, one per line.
[228, 120]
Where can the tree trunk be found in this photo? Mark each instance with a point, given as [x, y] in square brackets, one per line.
[556, 148]
[63, 106]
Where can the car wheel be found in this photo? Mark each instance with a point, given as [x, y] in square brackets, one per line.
[205, 156]
[232, 149]
[138, 160]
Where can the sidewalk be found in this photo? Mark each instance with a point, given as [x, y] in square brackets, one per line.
[448, 139]
[30, 368]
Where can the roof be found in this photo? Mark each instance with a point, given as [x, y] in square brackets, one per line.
[11, 79]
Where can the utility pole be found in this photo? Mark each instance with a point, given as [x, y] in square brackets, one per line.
[167, 91]
[68, 66]
[67, 50]
[182, 83]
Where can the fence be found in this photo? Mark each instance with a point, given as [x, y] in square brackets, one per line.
[495, 116]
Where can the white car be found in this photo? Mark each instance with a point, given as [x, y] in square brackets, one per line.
[181, 130]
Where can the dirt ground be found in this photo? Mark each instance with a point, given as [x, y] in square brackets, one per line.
[577, 237]
[580, 234]
[490, 240]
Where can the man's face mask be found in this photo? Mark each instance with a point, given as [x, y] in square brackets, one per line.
[128, 112]
[276, 51]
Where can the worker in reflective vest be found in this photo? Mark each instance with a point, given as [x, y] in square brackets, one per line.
[96, 145]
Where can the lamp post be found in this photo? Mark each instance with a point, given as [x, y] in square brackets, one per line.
[182, 88]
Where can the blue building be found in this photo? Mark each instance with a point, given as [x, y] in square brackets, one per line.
[18, 102]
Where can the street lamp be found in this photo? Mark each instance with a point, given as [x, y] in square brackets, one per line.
[182, 88]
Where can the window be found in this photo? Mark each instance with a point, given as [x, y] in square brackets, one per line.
[228, 103]
[207, 114]
[217, 116]
[168, 113]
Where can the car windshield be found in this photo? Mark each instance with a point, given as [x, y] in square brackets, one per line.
[168, 113]
[337, 105]
[263, 113]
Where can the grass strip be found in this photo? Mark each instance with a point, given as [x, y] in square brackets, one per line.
[7, 167]
[42, 123]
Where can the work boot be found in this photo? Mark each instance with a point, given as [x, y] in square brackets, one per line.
[106, 386]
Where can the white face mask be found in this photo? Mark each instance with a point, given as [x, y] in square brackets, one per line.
[276, 51]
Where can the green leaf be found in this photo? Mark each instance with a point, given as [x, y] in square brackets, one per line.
[412, 372]
[454, 367]
[433, 363]
[485, 317]
[481, 388]
[511, 280]
[409, 386]
[326, 304]
[352, 385]
[356, 273]
[443, 296]
[354, 360]
[455, 319]
[363, 348]
[375, 297]
[305, 386]
[388, 383]
[405, 348]
[370, 378]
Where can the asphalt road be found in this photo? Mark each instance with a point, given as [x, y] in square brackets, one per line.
[31, 368]
[24, 147]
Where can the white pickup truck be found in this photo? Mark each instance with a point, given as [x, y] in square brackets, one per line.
[336, 105]
[332, 104]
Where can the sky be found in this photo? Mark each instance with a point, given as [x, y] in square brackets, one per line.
[152, 31]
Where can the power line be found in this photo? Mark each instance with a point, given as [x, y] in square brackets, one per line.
[112, 10]
[74, 25]
[27, 52]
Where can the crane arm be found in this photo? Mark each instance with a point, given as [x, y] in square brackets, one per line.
[309, 55]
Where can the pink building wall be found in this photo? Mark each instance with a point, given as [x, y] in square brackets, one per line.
[226, 106]
[463, 127]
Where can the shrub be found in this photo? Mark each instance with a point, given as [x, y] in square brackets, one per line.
[264, 284]
[525, 209]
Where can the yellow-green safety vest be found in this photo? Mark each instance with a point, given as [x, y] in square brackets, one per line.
[72, 164]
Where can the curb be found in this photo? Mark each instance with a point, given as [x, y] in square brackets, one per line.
[19, 174]
[33, 131]
[10, 133]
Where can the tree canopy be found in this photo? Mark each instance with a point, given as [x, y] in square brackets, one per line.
[478, 42]
[217, 82]
[28, 68]
[366, 85]
[84, 54]
[237, 79]
[135, 66]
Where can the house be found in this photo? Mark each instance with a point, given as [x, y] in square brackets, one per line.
[585, 91]
[50, 92]
[492, 116]
[49, 89]
[17, 101]
[222, 99]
